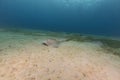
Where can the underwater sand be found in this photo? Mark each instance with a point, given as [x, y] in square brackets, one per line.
[23, 57]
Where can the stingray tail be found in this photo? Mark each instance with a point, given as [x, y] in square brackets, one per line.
[65, 40]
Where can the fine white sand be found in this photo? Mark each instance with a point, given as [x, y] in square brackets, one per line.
[23, 57]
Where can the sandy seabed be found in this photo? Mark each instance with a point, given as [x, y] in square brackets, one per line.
[25, 58]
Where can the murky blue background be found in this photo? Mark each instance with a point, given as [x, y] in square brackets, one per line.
[99, 17]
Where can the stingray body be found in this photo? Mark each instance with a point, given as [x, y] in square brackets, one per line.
[53, 42]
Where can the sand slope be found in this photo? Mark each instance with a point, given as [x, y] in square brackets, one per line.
[24, 58]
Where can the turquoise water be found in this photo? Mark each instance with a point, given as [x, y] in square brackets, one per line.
[96, 17]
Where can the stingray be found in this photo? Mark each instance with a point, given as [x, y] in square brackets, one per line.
[53, 42]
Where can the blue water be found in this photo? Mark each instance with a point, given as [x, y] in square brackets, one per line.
[98, 17]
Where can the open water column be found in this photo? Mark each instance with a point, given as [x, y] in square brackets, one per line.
[59, 40]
